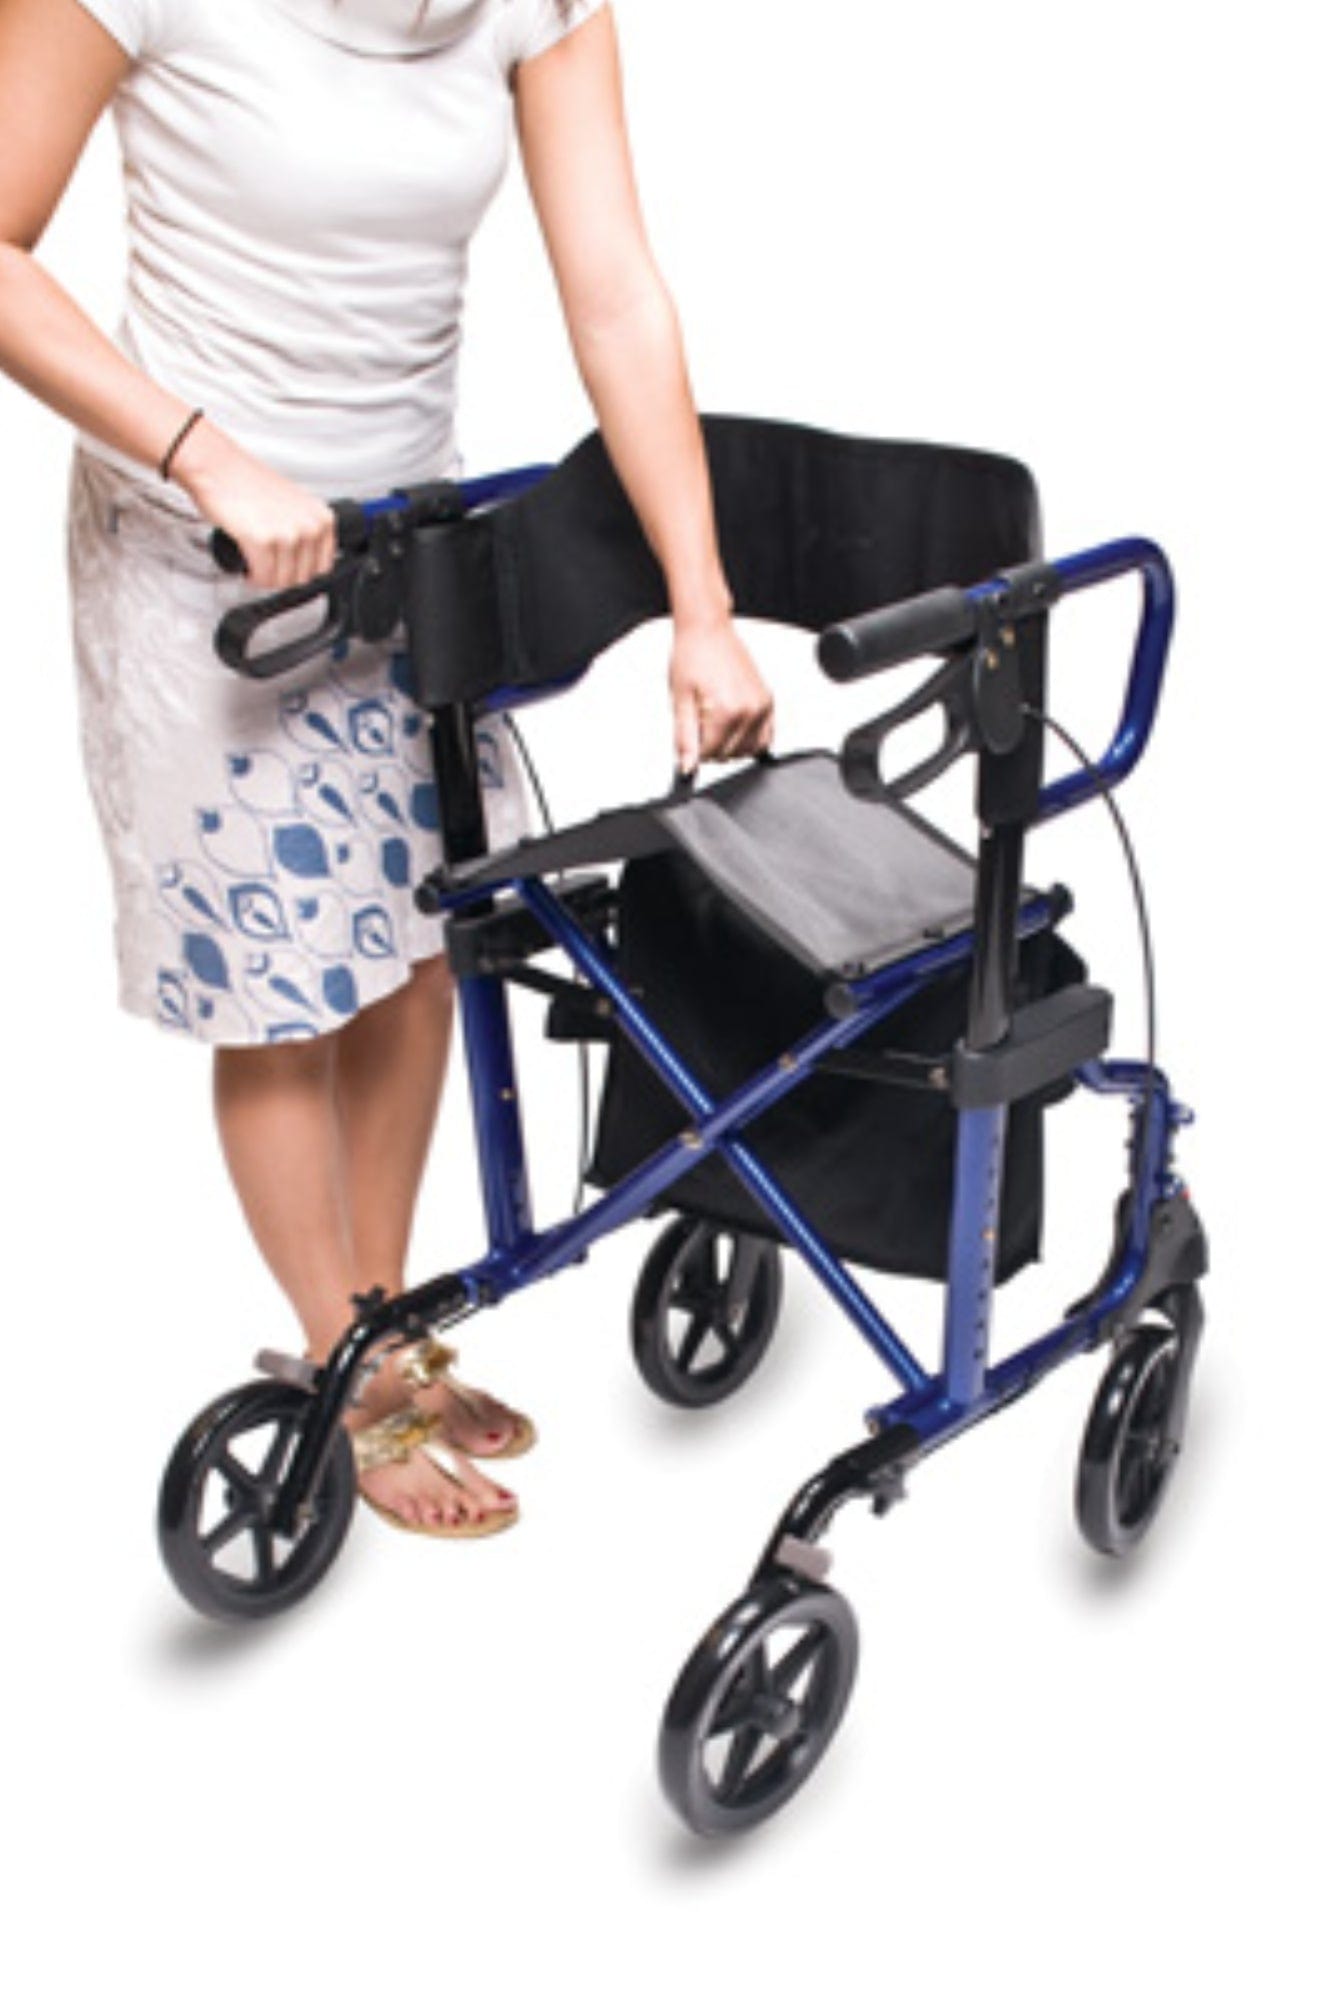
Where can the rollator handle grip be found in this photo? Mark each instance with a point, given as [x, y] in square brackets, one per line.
[935, 622]
[364, 590]
[350, 532]
[227, 555]
[967, 623]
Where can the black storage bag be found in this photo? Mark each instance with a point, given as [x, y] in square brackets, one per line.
[869, 1165]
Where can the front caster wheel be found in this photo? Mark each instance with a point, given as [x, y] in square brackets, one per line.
[757, 1704]
[216, 1504]
[1133, 1439]
[704, 1311]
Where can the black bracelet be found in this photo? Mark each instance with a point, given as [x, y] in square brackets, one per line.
[165, 463]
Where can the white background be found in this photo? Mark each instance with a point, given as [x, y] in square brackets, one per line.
[1095, 240]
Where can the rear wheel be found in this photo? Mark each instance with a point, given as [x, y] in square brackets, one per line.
[1134, 1435]
[704, 1311]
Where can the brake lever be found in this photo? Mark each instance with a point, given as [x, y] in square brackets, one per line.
[949, 689]
[239, 626]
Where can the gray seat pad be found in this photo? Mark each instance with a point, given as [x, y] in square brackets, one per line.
[843, 884]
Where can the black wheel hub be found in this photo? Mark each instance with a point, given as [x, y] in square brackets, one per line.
[778, 1717]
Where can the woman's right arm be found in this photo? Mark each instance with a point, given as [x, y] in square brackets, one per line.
[58, 71]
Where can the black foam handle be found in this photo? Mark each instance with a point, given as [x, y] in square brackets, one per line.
[351, 532]
[227, 554]
[933, 623]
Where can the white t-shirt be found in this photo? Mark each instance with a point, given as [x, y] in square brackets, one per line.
[303, 178]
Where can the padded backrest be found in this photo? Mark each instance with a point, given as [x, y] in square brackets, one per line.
[813, 528]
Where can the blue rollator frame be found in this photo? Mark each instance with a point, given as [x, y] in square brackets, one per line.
[762, 1694]
[937, 1406]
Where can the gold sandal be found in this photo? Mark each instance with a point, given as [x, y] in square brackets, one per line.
[429, 1362]
[391, 1442]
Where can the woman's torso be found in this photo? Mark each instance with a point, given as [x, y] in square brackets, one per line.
[299, 214]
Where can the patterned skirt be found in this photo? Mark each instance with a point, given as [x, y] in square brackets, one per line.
[265, 838]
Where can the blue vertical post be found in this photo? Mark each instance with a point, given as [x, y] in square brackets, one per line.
[486, 1030]
[978, 1160]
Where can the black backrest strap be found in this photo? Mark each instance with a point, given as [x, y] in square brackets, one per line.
[813, 528]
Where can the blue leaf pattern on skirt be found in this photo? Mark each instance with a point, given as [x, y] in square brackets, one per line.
[423, 807]
[257, 911]
[205, 959]
[288, 991]
[374, 935]
[341, 990]
[325, 793]
[191, 893]
[379, 800]
[300, 850]
[238, 889]
[279, 981]
[395, 862]
[371, 730]
[174, 1006]
[312, 726]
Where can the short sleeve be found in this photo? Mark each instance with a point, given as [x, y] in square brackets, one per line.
[537, 24]
[133, 23]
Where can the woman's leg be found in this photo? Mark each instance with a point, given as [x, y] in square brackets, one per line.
[276, 1117]
[282, 1139]
[390, 1061]
[389, 1066]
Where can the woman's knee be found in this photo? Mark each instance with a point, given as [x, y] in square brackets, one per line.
[274, 1066]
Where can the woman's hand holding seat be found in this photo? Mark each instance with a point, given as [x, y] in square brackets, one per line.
[722, 705]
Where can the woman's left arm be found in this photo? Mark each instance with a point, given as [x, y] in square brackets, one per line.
[625, 336]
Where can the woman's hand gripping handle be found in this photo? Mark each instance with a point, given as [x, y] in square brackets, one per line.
[286, 535]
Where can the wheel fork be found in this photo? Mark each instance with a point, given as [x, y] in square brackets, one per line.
[875, 1470]
[381, 1322]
